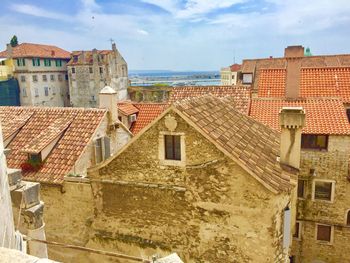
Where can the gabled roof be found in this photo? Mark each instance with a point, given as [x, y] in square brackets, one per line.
[323, 116]
[52, 122]
[251, 144]
[239, 94]
[147, 112]
[30, 50]
[127, 108]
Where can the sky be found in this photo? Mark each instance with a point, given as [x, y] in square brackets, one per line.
[181, 34]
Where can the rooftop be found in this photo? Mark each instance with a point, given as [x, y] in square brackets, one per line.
[40, 126]
[247, 141]
[30, 50]
[323, 115]
[86, 57]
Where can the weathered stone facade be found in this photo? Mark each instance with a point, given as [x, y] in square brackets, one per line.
[90, 71]
[210, 210]
[332, 164]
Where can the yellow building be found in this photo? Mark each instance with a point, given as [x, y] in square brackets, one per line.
[6, 68]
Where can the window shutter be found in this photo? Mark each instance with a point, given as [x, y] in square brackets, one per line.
[98, 151]
[107, 144]
[17, 62]
[24, 61]
[33, 61]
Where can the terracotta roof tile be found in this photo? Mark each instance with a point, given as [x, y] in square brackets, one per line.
[325, 82]
[66, 152]
[29, 50]
[147, 113]
[240, 95]
[253, 144]
[127, 108]
[272, 83]
[323, 116]
[235, 67]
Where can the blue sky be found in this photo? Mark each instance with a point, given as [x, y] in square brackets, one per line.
[181, 34]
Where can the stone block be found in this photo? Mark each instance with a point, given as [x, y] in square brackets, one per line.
[14, 176]
[29, 191]
[33, 216]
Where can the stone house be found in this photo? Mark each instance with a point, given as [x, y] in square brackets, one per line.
[321, 85]
[202, 180]
[90, 71]
[229, 75]
[41, 71]
[55, 146]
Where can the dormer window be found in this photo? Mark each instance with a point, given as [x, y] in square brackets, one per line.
[247, 78]
[35, 158]
[172, 148]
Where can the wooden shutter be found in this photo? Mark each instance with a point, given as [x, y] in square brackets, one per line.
[324, 233]
[107, 146]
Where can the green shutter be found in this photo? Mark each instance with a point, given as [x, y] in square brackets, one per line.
[33, 60]
[38, 60]
[23, 61]
[17, 62]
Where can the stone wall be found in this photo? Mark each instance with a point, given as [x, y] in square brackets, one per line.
[332, 165]
[211, 210]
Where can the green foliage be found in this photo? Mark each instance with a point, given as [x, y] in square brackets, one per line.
[160, 85]
[14, 41]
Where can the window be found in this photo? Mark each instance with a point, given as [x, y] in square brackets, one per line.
[102, 149]
[35, 158]
[21, 62]
[73, 70]
[53, 90]
[323, 190]
[93, 98]
[323, 233]
[348, 218]
[47, 62]
[247, 78]
[297, 230]
[58, 63]
[90, 70]
[311, 141]
[44, 78]
[23, 78]
[35, 78]
[172, 147]
[66, 76]
[46, 91]
[24, 92]
[60, 78]
[301, 188]
[101, 70]
[36, 92]
[52, 77]
[36, 62]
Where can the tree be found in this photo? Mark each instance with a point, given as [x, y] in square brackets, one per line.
[14, 41]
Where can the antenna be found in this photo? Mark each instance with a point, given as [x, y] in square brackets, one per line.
[234, 56]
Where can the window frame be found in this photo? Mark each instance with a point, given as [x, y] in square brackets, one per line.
[246, 74]
[73, 70]
[331, 238]
[47, 62]
[304, 189]
[58, 63]
[35, 78]
[36, 62]
[172, 144]
[303, 139]
[21, 62]
[60, 77]
[299, 225]
[52, 77]
[314, 190]
[44, 77]
[23, 78]
[46, 91]
[169, 162]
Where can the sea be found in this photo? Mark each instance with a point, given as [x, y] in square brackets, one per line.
[174, 78]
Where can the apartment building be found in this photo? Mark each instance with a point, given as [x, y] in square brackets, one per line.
[90, 71]
[41, 73]
[229, 75]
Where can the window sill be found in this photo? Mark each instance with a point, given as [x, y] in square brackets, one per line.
[327, 243]
[314, 150]
[172, 163]
[323, 201]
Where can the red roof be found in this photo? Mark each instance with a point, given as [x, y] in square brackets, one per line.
[272, 83]
[323, 116]
[41, 125]
[147, 113]
[239, 95]
[235, 67]
[86, 57]
[127, 108]
[325, 82]
[29, 50]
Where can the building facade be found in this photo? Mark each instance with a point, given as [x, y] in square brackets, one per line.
[41, 73]
[229, 75]
[90, 71]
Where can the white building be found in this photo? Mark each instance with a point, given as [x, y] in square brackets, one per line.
[229, 75]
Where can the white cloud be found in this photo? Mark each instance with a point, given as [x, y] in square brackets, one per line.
[143, 32]
[168, 5]
[37, 11]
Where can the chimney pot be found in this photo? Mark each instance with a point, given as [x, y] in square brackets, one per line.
[294, 51]
[292, 120]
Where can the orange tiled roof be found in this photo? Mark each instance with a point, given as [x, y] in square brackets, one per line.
[253, 144]
[127, 108]
[147, 113]
[323, 116]
[325, 82]
[272, 83]
[235, 67]
[68, 149]
[239, 94]
[29, 50]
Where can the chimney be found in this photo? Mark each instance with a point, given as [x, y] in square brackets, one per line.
[293, 55]
[108, 100]
[9, 50]
[292, 120]
[114, 47]
[52, 53]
